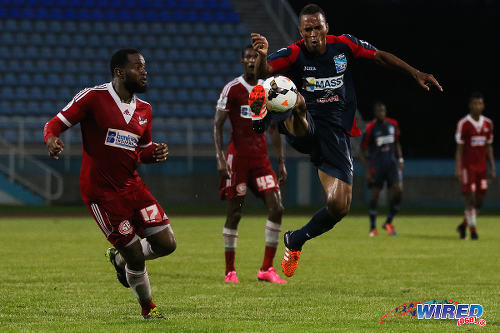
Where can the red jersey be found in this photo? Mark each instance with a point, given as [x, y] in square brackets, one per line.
[234, 99]
[114, 137]
[474, 135]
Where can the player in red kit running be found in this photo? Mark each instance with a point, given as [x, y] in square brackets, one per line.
[474, 137]
[116, 134]
[246, 164]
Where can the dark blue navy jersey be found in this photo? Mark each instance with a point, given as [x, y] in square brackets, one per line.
[325, 80]
[380, 139]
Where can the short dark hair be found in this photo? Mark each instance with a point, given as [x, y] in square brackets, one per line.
[311, 9]
[248, 47]
[119, 59]
[476, 95]
[376, 104]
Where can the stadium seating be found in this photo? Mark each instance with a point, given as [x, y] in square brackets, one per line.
[54, 48]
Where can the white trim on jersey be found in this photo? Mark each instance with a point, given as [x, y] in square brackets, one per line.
[458, 133]
[222, 101]
[64, 120]
[127, 110]
[142, 101]
[99, 219]
[146, 145]
[247, 85]
[477, 124]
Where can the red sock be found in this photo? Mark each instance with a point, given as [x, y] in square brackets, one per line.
[147, 306]
[230, 261]
[473, 229]
[268, 258]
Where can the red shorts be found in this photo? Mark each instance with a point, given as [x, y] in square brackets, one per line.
[128, 214]
[256, 173]
[474, 181]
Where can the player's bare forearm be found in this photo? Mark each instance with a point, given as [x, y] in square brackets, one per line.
[491, 159]
[362, 159]
[276, 142]
[222, 166]
[219, 120]
[278, 148]
[458, 160]
[389, 60]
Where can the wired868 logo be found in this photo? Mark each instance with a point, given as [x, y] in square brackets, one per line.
[438, 309]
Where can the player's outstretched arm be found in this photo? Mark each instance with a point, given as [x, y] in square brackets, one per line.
[260, 44]
[391, 61]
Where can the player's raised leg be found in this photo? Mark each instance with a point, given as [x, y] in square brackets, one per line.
[338, 202]
[272, 232]
[230, 235]
[295, 120]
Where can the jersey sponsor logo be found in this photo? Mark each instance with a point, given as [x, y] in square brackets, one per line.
[142, 121]
[245, 112]
[312, 84]
[340, 62]
[477, 140]
[328, 99]
[121, 139]
[125, 228]
[384, 140]
[309, 68]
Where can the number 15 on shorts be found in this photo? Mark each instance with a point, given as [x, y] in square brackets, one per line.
[265, 182]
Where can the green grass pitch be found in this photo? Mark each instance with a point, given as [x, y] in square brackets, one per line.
[54, 277]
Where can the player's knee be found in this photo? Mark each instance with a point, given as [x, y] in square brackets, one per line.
[276, 211]
[338, 208]
[233, 218]
[165, 248]
[136, 262]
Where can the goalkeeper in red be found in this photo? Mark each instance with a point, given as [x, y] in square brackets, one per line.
[116, 136]
[323, 118]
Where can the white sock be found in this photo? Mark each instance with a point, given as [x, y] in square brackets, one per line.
[470, 216]
[230, 238]
[147, 250]
[272, 233]
[139, 283]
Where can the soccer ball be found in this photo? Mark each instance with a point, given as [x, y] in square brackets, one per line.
[281, 93]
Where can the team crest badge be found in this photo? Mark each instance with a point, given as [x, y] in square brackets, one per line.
[125, 228]
[241, 189]
[340, 62]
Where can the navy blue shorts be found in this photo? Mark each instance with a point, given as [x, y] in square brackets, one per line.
[327, 144]
[386, 171]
